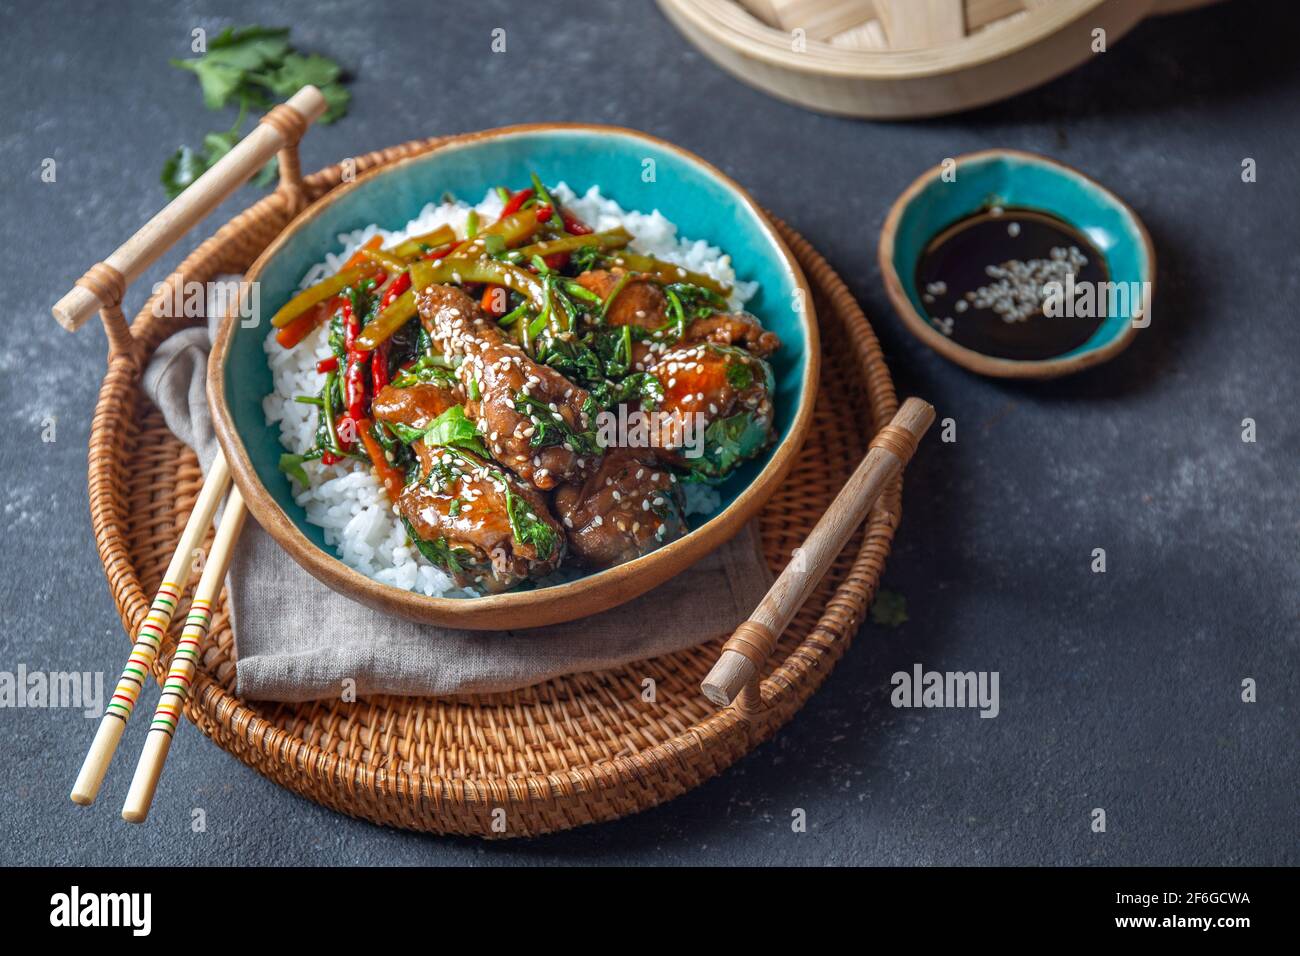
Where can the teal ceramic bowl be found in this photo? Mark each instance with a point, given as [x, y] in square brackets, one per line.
[640, 172]
[1010, 178]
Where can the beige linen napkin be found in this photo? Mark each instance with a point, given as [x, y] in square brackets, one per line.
[298, 640]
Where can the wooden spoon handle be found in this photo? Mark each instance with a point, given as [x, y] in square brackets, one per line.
[105, 283]
[743, 655]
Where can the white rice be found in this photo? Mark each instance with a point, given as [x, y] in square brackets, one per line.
[346, 500]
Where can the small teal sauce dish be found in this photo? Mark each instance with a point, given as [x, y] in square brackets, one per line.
[638, 171]
[977, 182]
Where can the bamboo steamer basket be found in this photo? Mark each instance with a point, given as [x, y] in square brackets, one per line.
[1180, 6]
[574, 750]
[895, 59]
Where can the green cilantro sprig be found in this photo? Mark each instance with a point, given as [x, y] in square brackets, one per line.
[889, 609]
[252, 67]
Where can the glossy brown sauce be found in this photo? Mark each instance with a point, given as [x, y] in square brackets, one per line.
[981, 283]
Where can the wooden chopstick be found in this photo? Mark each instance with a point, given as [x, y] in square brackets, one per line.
[180, 215]
[150, 635]
[180, 677]
[103, 287]
[737, 668]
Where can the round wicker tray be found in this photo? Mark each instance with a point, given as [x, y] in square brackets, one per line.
[574, 750]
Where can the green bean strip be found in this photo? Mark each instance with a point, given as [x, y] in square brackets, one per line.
[328, 408]
[508, 320]
[387, 259]
[666, 273]
[544, 196]
[612, 239]
[314, 295]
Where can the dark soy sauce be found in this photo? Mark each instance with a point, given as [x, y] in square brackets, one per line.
[981, 281]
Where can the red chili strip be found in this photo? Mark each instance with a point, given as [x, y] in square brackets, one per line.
[400, 285]
[573, 225]
[379, 368]
[516, 202]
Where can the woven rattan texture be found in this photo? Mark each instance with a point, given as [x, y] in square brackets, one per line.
[575, 750]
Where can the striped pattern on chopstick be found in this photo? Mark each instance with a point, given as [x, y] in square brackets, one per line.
[180, 676]
[149, 637]
[148, 641]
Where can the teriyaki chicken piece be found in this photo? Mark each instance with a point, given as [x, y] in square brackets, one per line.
[486, 528]
[716, 410]
[532, 419]
[629, 507]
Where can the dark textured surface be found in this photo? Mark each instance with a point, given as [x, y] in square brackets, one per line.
[1118, 690]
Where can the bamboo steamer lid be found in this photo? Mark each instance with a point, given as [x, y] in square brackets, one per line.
[895, 59]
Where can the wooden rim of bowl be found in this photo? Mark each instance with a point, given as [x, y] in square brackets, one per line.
[727, 23]
[978, 361]
[519, 609]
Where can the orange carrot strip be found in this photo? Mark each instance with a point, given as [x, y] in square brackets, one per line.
[358, 257]
[491, 299]
[393, 480]
[301, 327]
